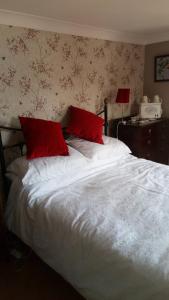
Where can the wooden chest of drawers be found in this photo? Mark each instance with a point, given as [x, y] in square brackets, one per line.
[150, 141]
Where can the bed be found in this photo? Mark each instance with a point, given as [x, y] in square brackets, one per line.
[102, 223]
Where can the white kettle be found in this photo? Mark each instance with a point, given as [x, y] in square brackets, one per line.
[157, 99]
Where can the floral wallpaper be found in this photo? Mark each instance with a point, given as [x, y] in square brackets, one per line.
[42, 73]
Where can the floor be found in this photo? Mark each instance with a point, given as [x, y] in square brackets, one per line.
[32, 279]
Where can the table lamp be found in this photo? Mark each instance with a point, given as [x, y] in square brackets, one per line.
[123, 97]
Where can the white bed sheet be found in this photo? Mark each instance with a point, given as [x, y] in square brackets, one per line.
[107, 233]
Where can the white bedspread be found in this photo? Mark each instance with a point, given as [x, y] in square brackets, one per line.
[107, 233]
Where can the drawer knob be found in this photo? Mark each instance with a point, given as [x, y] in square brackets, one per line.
[149, 142]
[149, 131]
[148, 155]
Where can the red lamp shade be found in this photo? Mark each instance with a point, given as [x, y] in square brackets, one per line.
[123, 96]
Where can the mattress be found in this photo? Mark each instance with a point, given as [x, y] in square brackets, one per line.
[107, 233]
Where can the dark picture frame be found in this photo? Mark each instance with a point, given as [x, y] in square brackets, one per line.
[161, 68]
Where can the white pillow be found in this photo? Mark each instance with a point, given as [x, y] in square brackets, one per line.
[63, 168]
[110, 150]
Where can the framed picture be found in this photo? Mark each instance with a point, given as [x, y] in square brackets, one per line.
[161, 68]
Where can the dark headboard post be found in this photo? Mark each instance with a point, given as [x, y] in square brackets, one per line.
[105, 117]
[3, 171]
[5, 180]
[104, 111]
[2, 165]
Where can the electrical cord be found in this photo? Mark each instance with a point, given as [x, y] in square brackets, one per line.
[117, 128]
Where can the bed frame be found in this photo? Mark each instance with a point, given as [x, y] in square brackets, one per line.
[20, 145]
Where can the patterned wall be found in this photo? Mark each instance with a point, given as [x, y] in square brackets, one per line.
[42, 73]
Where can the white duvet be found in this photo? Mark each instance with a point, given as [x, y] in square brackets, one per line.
[107, 233]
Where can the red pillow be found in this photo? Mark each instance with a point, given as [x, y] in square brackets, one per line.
[43, 138]
[85, 124]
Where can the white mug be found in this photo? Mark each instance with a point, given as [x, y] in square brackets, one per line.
[145, 99]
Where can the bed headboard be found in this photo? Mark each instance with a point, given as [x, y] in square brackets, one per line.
[20, 145]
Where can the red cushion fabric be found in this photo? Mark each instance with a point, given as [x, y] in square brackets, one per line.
[43, 138]
[85, 124]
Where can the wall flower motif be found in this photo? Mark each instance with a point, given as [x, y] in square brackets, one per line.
[45, 72]
[53, 42]
[7, 78]
[16, 45]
